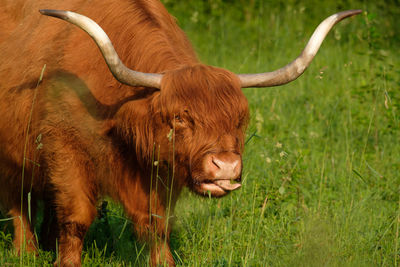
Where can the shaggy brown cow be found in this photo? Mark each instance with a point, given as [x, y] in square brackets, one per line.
[81, 134]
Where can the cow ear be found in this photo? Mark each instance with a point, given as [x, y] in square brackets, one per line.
[133, 124]
[144, 140]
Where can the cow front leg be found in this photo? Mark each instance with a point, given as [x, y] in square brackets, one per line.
[75, 197]
[160, 254]
[158, 239]
[70, 243]
[74, 219]
[153, 231]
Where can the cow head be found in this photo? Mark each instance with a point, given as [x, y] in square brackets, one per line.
[207, 112]
[199, 109]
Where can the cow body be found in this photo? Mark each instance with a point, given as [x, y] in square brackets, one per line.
[89, 136]
[79, 134]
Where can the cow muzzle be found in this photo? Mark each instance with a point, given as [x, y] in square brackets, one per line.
[223, 172]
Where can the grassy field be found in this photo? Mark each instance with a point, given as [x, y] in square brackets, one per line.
[322, 164]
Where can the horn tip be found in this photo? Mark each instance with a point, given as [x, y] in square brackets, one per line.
[354, 12]
[46, 11]
[54, 13]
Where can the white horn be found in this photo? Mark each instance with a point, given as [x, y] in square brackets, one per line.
[294, 69]
[117, 68]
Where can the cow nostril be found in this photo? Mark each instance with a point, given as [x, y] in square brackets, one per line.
[215, 162]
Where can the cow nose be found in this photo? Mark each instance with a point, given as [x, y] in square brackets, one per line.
[225, 166]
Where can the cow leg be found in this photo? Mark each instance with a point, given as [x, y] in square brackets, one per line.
[153, 232]
[160, 254]
[24, 239]
[75, 197]
[74, 219]
[158, 239]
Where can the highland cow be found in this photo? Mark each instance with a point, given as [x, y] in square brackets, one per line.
[137, 120]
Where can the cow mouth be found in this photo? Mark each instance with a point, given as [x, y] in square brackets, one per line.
[218, 187]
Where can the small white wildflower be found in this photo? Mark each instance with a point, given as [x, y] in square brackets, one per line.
[195, 17]
[282, 154]
[268, 160]
[278, 145]
[281, 190]
[155, 163]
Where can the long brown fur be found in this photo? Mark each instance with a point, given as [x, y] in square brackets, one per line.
[99, 137]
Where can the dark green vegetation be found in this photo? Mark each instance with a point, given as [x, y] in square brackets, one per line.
[322, 164]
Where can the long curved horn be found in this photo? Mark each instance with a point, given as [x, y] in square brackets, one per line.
[117, 68]
[294, 69]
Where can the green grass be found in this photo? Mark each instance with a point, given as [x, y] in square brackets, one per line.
[321, 171]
